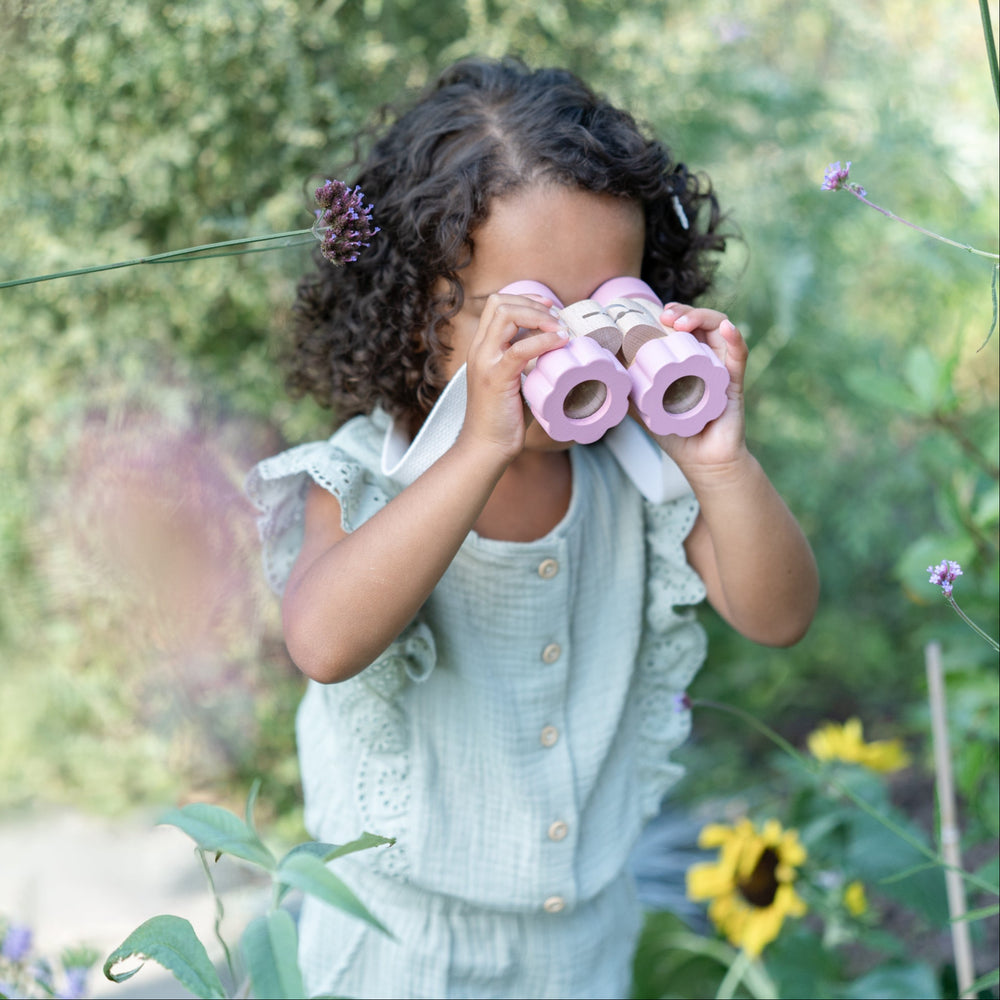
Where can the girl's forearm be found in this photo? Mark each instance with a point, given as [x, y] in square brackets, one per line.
[758, 567]
[348, 600]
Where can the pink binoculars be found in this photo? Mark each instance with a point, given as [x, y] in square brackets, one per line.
[580, 391]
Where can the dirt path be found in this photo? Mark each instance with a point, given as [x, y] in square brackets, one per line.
[77, 879]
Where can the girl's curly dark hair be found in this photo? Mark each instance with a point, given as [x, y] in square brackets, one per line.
[374, 332]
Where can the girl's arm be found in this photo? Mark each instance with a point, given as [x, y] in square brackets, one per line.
[758, 569]
[350, 595]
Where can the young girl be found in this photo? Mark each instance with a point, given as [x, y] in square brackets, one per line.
[497, 626]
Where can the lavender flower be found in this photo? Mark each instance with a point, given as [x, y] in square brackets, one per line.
[76, 983]
[16, 942]
[944, 575]
[343, 222]
[836, 178]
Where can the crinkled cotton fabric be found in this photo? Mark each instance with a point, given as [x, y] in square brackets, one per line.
[514, 739]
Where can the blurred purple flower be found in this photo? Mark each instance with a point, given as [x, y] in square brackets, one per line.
[836, 178]
[343, 222]
[16, 942]
[76, 983]
[944, 575]
[43, 975]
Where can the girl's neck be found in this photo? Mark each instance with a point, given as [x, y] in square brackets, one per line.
[530, 499]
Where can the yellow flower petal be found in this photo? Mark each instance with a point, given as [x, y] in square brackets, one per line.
[855, 899]
[846, 743]
[708, 880]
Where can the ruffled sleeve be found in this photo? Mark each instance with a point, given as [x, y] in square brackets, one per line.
[344, 465]
[672, 648]
[347, 465]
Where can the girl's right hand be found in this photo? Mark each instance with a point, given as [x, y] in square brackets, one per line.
[512, 332]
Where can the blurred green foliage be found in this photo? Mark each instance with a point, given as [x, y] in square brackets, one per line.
[129, 129]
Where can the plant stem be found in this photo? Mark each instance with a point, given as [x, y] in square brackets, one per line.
[968, 621]
[991, 49]
[173, 256]
[920, 229]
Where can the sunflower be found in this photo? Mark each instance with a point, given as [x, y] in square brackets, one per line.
[845, 742]
[750, 885]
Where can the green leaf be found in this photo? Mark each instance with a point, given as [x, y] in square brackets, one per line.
[887, 392]
[984, 982]
[878, 857]
[270, 950]
[307, 872]
[327, 852]
[928, 378]
[216, 829]
[171, 942]
[889, 982]
[981, 914]
[251, 802]
[363, 843]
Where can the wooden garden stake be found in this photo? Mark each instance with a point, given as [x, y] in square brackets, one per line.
[960, 939]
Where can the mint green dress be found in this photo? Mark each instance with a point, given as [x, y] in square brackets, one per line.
[514, 739]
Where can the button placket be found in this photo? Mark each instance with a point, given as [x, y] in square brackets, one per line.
[557, 834]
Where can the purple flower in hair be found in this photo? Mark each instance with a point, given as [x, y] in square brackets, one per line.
[343, 222]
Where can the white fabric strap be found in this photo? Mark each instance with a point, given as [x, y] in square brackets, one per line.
[655, 475]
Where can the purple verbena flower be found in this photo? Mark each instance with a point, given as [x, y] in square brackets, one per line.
[16, 942]
[944, 575]
[837, 177]
[343, 222]
[76, 983]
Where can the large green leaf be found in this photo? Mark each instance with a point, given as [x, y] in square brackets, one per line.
[306, 872]
[270, 950]
[216, 829]
[171, 942]
[893, 980]
[327, 852]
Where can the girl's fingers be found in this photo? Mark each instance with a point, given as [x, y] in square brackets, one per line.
[511, 325]
[691, 320]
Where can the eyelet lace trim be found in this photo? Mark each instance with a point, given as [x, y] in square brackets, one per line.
[672, 650]
[370, 702]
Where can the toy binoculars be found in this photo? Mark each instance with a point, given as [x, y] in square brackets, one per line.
[580, 391]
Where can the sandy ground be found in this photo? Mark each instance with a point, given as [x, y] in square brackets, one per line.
[77, 879]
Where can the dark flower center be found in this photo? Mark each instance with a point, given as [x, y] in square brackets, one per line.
[761, 886]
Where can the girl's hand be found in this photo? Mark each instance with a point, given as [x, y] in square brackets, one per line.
[723, 440]
[512, 332]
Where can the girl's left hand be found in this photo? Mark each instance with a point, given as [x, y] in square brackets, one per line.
[723, 440]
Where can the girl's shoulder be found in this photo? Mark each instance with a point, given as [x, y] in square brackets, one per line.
[359, 439]
[347, 464]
